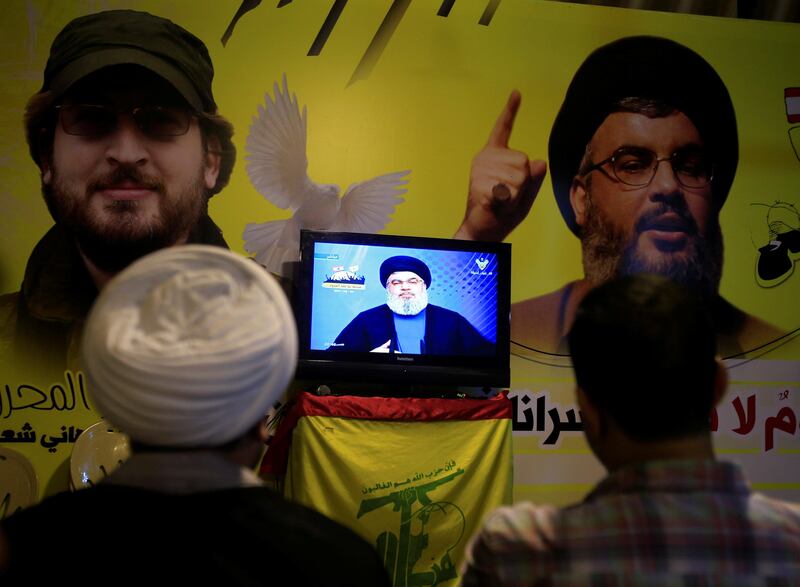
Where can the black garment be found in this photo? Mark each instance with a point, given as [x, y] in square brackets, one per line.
[40, 325]
[118, 535]
[446, 333]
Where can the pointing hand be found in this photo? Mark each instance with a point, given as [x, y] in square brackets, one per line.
[503, 183]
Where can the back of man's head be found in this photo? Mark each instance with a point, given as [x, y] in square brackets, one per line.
[643, 350]
[189, 347]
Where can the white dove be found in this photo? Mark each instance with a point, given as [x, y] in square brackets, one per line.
[277, 167]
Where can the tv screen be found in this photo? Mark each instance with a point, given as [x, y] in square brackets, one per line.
[402, 312]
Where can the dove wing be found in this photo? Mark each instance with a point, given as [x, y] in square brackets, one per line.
[276, 149]
[273, 243]
[260, 236]
[367, 206]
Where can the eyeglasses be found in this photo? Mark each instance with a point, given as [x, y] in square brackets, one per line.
[399, 282]
[636, 166]
[95, 120]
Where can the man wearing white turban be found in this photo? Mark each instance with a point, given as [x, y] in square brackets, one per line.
[186, 351]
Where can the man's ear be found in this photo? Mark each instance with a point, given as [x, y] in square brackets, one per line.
[46, 172]
[212, 160]
[578, 194]
[720, 381]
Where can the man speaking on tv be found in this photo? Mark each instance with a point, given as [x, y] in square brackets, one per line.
[407, 323]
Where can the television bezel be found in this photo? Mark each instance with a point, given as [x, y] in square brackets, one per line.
[399, 371]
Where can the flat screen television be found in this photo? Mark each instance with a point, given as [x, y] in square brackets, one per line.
[362, 317]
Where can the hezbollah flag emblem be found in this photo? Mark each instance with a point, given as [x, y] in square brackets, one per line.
[416, 477]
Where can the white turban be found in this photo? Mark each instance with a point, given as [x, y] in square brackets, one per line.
[189, 346]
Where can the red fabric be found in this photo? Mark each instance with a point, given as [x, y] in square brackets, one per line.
[377, 408]
[404, 409]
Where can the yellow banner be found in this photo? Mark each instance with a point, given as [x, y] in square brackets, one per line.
[392, 85]
[416, 490]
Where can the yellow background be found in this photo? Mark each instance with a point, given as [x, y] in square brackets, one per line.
[428, 106]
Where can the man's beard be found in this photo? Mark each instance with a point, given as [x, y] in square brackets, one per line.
[407, 306]
[609, 253]
[124, 236]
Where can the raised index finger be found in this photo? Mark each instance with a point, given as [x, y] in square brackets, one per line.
[505, 122]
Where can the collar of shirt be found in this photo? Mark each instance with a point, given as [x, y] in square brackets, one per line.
[57, 285]
[182, 472]
[674, 476]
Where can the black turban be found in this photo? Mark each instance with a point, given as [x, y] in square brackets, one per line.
[642, 67]
[403, 263]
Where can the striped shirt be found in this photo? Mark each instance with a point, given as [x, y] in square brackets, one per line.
[685, 523]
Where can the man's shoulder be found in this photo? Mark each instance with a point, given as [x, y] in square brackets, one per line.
[447, 317]
[371, 315]
[739, 331]
[516, 545]
[258, 508]
[223, 536]
[523, 526]
[9, 318]
[441, 312]
[770, 511]
[290, 530]
[9, 304]
[381, 310]
[8, 301]
[261, 506]
[539, 322]
[25, 526]
[598, 538]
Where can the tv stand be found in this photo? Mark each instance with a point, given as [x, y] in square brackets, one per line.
[396, 390]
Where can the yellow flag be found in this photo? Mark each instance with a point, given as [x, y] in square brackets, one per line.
[415, 477]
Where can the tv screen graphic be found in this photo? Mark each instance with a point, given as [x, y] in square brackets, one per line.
[422, 309]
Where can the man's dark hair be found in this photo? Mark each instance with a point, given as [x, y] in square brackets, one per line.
[643, 350]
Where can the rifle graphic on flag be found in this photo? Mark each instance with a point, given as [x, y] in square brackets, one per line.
[401, 554]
